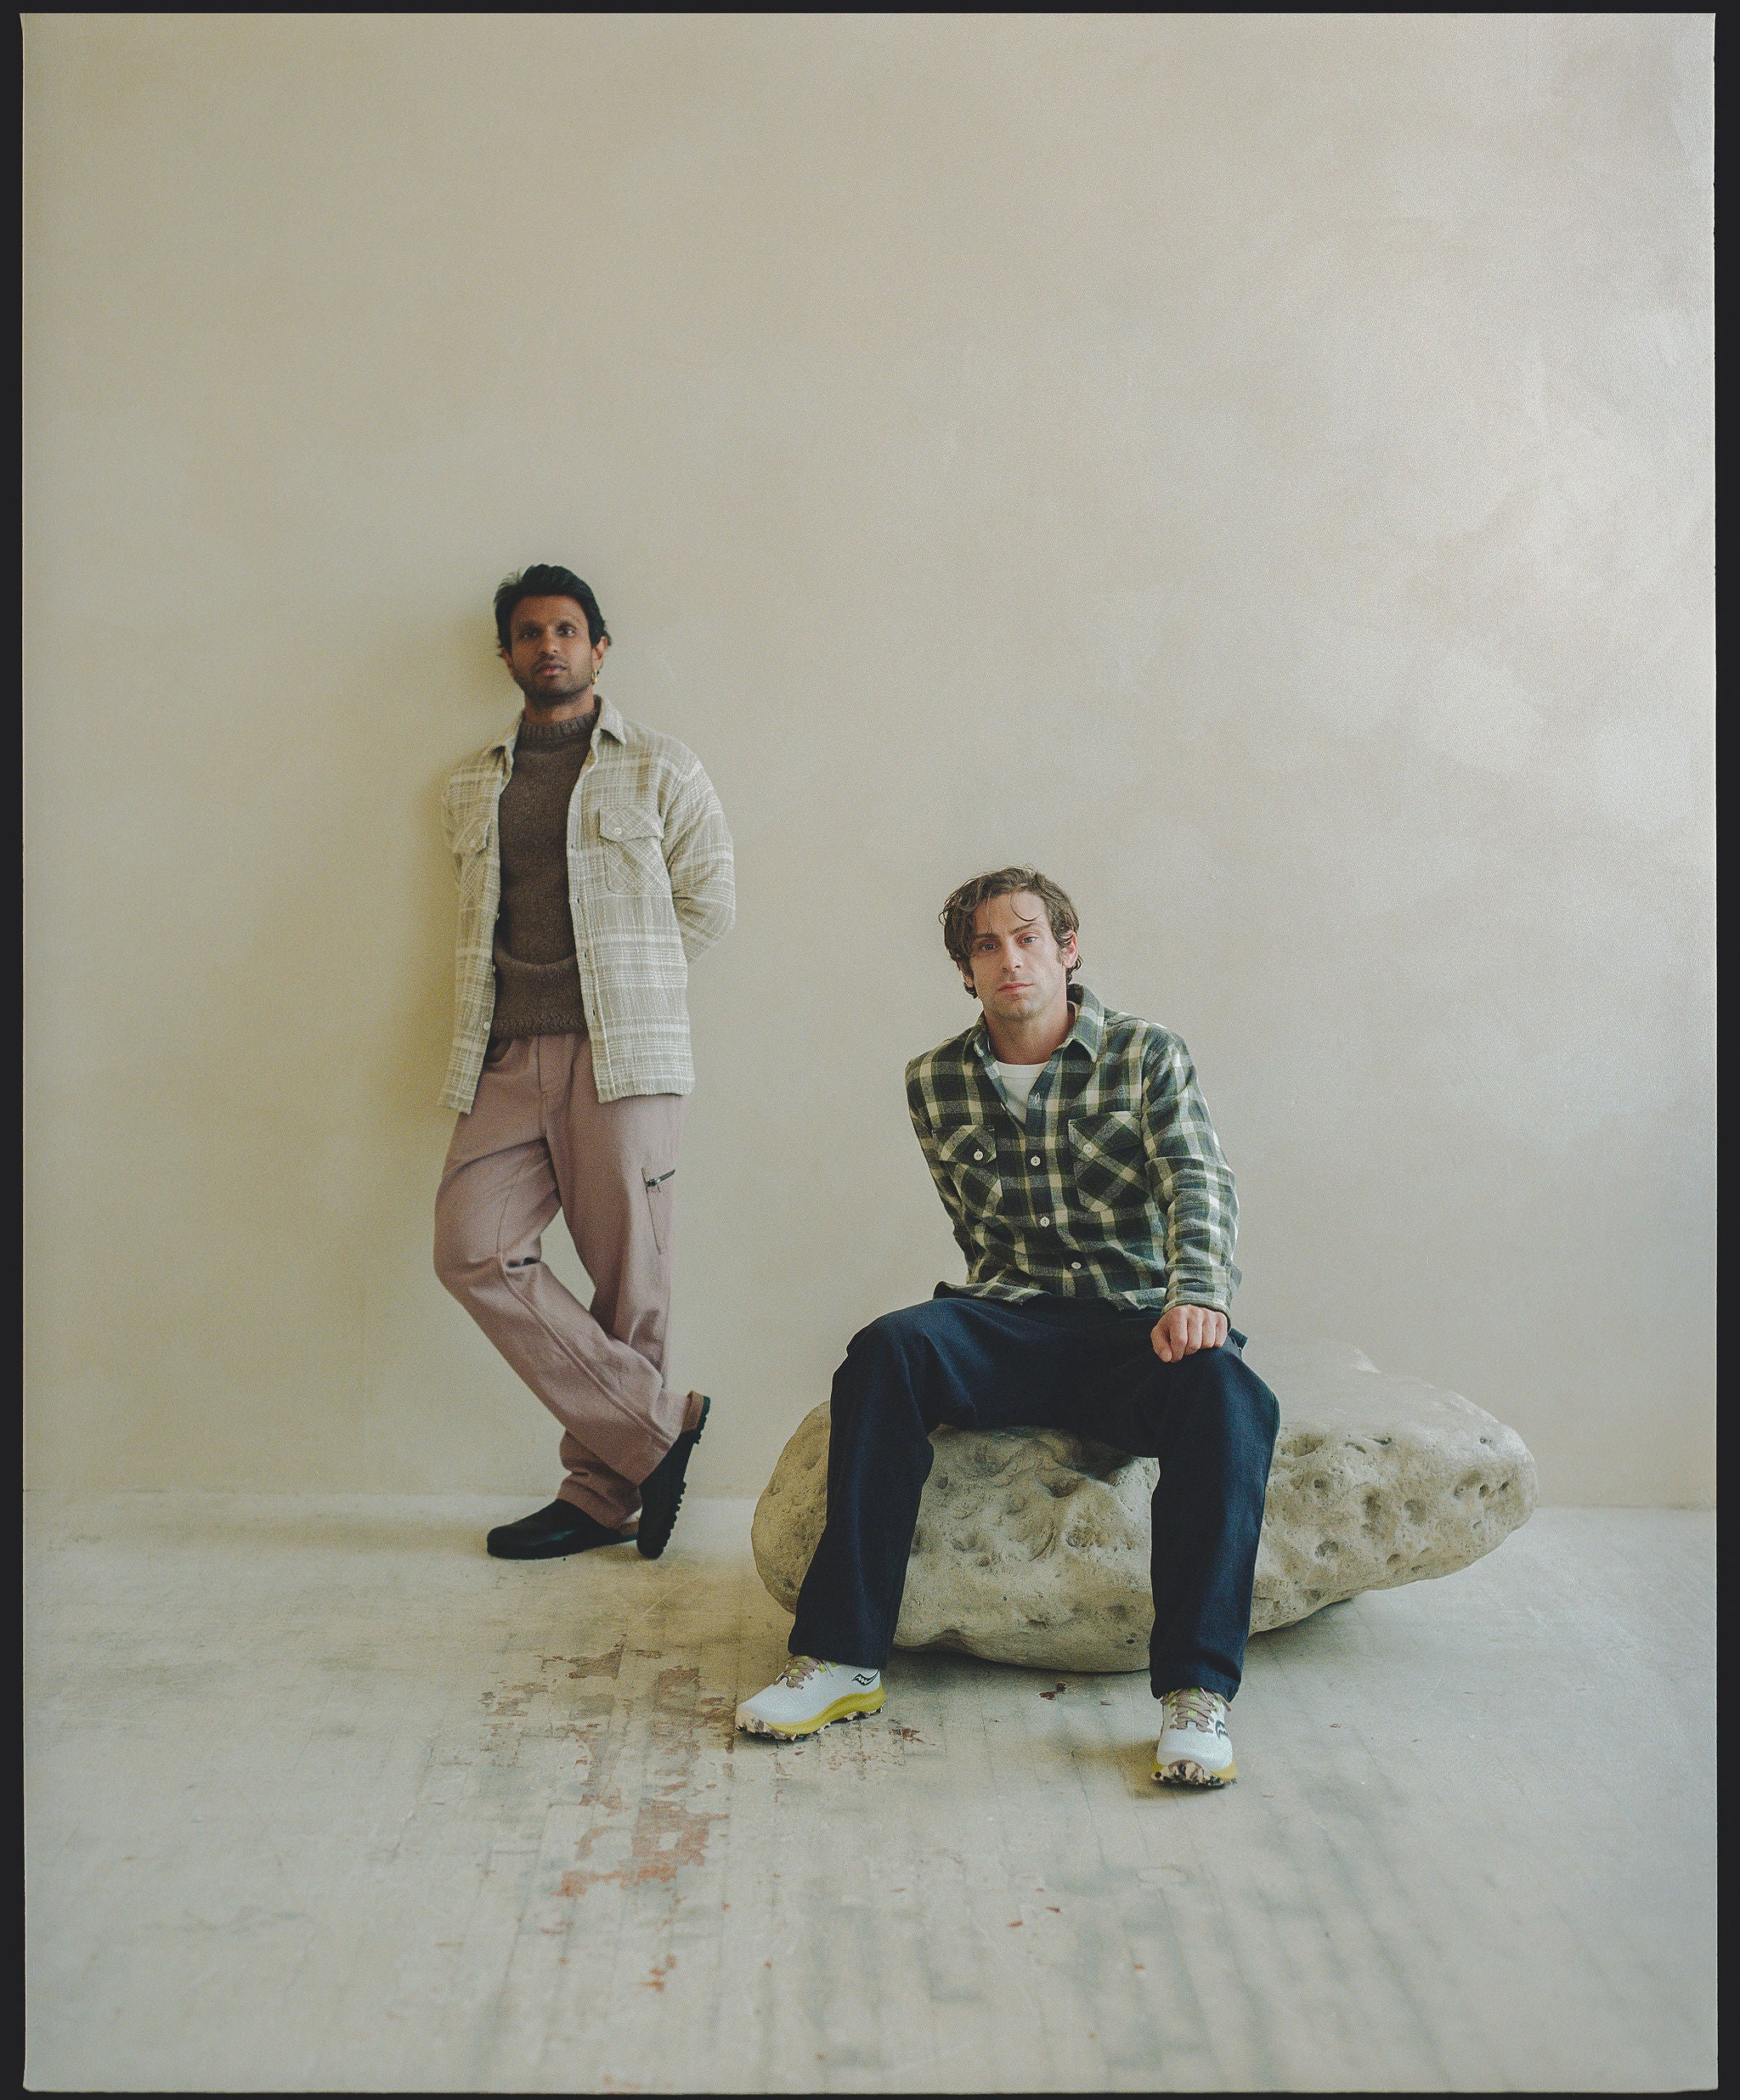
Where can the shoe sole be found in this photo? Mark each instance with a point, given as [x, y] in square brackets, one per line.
[1187, 1772]
[852, 1707]
[556, 1551]
[656, 1542]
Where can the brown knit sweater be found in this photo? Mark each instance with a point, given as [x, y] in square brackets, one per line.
[537, 979]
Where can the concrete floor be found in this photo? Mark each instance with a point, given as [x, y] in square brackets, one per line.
[320, 1798]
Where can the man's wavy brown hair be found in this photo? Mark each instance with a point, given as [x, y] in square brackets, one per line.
[958, 913]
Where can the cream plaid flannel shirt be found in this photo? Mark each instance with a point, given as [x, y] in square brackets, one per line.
[649, 880]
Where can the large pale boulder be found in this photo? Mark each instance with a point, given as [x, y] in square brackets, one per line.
[1032, 1545]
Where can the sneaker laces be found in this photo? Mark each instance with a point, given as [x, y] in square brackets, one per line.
[1193, 1707]
[798, 1671]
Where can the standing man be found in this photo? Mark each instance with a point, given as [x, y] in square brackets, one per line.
[593, 863]
[1075, 1157]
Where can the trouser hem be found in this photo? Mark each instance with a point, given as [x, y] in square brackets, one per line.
[823, 1651]
[595, 1506]
[1185, 1679]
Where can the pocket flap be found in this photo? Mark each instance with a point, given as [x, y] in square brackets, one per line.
[970, 1145]
[474, 836]
[1116, 1135]
[618, 821]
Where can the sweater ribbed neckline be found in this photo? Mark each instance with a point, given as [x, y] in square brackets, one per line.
[552, 736]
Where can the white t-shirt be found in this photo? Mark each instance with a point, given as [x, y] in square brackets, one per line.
[1017, 1082]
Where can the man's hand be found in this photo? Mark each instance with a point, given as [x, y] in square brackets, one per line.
[1185, 1330]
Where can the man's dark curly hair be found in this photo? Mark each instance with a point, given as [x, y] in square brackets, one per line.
[546, 579]
[957, 914]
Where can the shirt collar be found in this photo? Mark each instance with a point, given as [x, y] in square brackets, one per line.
[1089, 1029]
[609, 724]
[1090, 1024]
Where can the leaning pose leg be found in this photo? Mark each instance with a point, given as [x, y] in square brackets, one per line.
[518, 1157]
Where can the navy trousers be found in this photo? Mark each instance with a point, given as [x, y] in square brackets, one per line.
[1085, 1366]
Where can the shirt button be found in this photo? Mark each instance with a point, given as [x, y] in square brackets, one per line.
[1045, 1220]
[1075, 1265]
[978, 1156]
[1034, 1160]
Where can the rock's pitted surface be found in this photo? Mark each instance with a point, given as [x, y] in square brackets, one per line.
[1032, 1545]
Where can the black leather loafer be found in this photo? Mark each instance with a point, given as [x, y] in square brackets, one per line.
[545, 1535]
[662, 1491]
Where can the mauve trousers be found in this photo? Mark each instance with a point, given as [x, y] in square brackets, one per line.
[537, 1140]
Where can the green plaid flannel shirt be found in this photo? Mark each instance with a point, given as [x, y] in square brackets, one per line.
[1113, 1187]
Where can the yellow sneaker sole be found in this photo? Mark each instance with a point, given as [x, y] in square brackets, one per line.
[845, 1709]
[1187, 1772]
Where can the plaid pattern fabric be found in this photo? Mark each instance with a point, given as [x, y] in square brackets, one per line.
[650, 880]
[1113, 1185]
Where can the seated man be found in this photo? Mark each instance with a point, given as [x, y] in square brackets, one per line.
[1075, 1157]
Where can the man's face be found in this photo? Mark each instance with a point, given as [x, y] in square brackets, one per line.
[1019, 970]
[550, 652]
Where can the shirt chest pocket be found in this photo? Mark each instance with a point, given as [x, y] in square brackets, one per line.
[969, 1154]
[471, 853]
[634, 847]
[1110, 1160]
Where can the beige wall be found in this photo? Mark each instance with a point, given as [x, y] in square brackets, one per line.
[1255, 467]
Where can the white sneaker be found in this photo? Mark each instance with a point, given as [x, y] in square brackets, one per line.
[1194, 1749]
[807, 1695]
